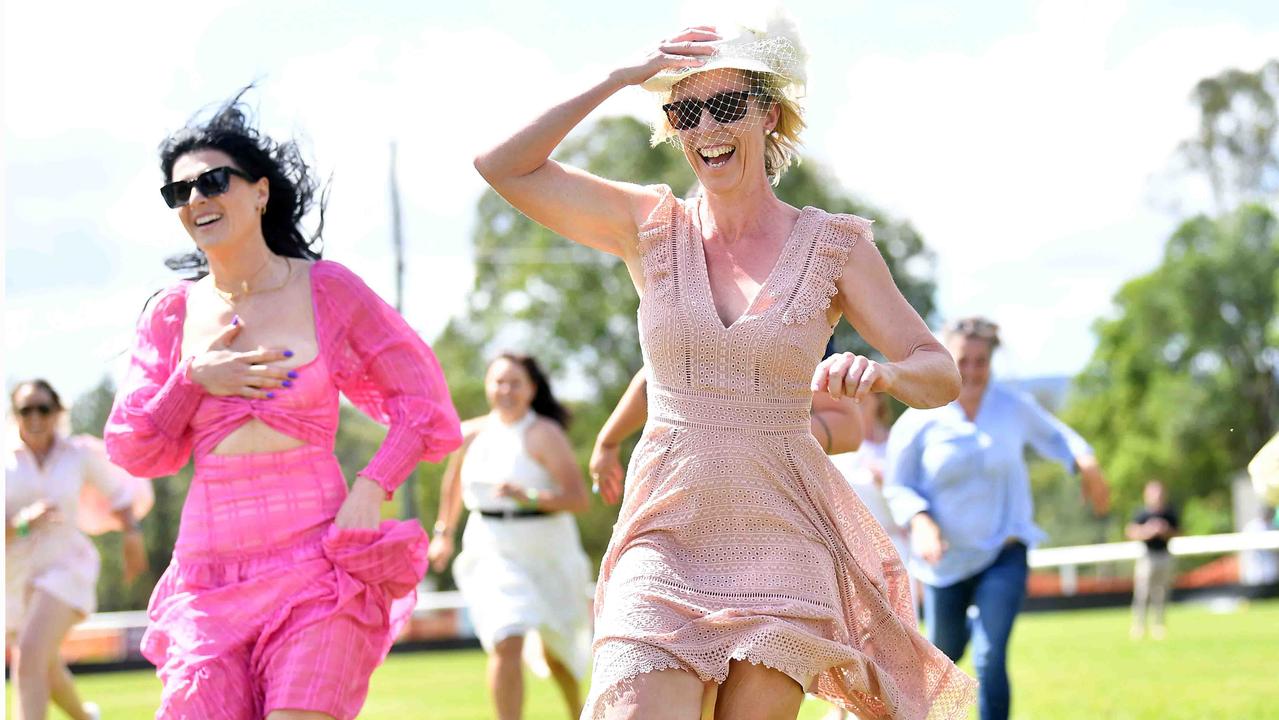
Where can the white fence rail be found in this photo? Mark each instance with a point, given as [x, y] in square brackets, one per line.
[1066, 559]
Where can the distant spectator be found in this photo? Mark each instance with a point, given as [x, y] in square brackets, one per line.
[1155, 524]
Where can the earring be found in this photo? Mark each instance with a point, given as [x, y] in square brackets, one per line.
[262, 209]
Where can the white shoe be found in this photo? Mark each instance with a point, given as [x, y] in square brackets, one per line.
[93, 711]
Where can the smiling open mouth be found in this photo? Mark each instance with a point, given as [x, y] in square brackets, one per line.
[207, 220]
[717, 155]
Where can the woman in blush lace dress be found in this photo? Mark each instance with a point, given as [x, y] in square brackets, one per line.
[743, 570]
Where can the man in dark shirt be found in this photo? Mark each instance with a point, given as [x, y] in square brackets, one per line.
[1154, 525]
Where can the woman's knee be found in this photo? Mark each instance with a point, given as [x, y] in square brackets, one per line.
[658, 695]
[509, 648]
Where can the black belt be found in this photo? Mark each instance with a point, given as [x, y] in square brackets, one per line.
[510, 514]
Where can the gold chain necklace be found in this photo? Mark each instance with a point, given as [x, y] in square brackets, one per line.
[230, 298]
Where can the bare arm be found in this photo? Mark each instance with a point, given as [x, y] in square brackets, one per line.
[587, 209]
[836, 424]
[919, 372]
[1095, 488]
[549, 446]
[133, 548]
[631, 412]
[441, 547]
[627, 418]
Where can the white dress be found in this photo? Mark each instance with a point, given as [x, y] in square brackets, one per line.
[521, 575]
[856, 467]
[58, 557]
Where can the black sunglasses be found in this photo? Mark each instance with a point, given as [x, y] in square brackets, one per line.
[29, 410]
[210, 183]
[725, 107]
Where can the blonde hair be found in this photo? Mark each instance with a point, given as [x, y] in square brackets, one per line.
[781, 145]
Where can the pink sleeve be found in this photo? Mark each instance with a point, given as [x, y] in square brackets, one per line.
[149, 431]
[390, 374]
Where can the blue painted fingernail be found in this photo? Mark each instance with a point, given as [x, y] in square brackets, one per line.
[270, 395]
[288, 383]
[293, 374]
[288, 353]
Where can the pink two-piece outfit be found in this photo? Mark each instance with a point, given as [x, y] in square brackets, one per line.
[267, 605]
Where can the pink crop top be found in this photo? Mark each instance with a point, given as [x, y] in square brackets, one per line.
[366, 350]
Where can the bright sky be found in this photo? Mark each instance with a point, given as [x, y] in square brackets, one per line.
[1031, 143]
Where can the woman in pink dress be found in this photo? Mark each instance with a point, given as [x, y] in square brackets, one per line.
[741, 562]
[285, 590]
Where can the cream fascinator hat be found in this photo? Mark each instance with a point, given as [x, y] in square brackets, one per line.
[772, 47]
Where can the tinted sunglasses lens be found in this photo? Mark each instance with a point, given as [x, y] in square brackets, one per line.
[685, 114]
[728, 107]
[210, 183]
[30, 410]
[213, 182]
[176, 194]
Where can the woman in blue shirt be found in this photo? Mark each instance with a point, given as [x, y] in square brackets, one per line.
[957, 478]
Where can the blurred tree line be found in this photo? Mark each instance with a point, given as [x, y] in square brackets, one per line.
[1184, 383]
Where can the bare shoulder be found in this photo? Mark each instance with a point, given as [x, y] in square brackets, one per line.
[473, 427]
[545, 429]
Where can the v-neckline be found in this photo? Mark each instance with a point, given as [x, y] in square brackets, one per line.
[709, 293]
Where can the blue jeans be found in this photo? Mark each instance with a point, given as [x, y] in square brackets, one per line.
[997, 592]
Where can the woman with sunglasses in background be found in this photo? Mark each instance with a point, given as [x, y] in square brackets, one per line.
[285, 590]
[957, 478]
[51, 567]
[743, 570]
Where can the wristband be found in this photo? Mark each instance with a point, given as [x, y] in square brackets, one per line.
[441, 528]
[532, 494]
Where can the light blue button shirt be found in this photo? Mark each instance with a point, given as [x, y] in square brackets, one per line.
[971, 476]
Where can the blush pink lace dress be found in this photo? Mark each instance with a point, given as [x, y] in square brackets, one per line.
[737, 539]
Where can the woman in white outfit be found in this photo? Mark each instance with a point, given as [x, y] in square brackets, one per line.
[57, 487]
[522, 570]
[864, 468]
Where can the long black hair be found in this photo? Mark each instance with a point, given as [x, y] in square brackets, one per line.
[544, 402]
[292, 188]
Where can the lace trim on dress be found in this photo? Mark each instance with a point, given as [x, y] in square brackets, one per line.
[834, 240]
[656, 243]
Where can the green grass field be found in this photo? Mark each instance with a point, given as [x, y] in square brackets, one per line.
[1064, 665]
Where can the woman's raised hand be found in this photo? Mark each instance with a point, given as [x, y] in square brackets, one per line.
[687, 49]
[222, 371]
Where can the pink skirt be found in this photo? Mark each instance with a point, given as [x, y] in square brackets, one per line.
[298, 627]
